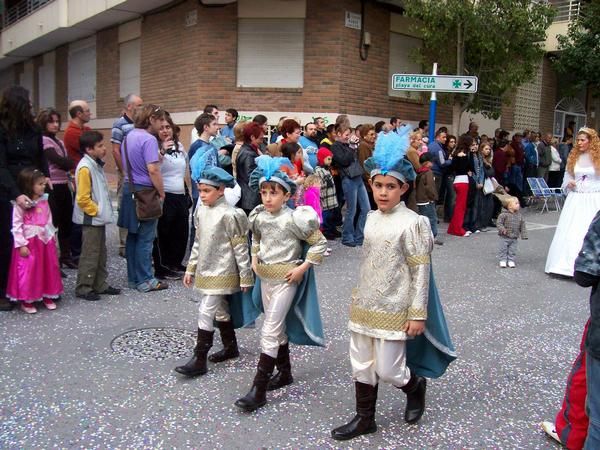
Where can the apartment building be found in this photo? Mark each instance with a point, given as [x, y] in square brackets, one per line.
[276, 57]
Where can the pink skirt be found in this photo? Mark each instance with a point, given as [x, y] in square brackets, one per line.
[36, 277]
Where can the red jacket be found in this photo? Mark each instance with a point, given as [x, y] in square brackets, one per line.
[71, 140]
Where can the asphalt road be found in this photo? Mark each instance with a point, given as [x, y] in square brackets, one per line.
[75, 378]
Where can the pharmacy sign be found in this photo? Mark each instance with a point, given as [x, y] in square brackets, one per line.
[434, 83]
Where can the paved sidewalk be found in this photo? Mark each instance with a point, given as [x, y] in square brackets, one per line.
[100, 374]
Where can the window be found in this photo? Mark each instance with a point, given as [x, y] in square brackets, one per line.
[402, 61]
[82, 72]
[270, 53]
[129, 67]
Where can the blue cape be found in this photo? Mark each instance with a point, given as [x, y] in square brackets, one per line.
[303, 321]
[430, 354]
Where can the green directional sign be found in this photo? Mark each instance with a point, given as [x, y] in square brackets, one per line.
[437, 83]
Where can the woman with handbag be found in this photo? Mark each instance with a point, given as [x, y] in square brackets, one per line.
[173, 226]
[143, 195]
[61, 195]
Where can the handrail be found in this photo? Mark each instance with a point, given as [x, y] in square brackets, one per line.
[21, 10]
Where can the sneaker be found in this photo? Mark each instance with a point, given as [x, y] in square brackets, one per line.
[484, 229]
[438, 241]
[512, 264]
[550, 430]
[327, 253]
[29, 308]
[166, 274]
[503, 264]
[48, 303]
[467, 234]
[90, 296]
[477, 231]
[110, 291]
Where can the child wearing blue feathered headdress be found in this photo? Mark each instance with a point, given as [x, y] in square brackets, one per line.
[286, 243]
[219, 264]
[397, 330]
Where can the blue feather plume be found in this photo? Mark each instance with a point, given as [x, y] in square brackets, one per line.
[269, 165]
[390, 148]
[197, 165]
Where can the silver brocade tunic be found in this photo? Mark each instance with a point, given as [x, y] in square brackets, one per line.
[393, 284]
[277, 240]
[220, 259]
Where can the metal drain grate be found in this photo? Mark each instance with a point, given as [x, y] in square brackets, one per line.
[154, 344]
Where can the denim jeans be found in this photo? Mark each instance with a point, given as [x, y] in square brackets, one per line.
[356, 195]
[138, 247]
[429, 212]
[592, 441]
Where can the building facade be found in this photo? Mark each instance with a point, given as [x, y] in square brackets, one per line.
[276, 57]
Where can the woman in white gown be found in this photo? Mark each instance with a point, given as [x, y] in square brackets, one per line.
[582, 185]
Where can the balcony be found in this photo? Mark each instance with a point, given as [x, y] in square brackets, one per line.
[566, 12]
[21, 9]
[32, 27]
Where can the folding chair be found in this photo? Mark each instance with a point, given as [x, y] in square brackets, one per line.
[538, 193]
[555, 193]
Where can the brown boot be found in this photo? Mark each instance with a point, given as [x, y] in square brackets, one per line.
[415, 398]
[257, 397]
[197, 364]
[6, 304]
[283, 377]
[364, 420]
[230, 347]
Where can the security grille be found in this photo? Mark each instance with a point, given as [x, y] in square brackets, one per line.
[527, 103]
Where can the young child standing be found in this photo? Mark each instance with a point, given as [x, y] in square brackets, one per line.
[284, 277]
[219, 265]
[390, 305]
[329, 202]
[426, 193]
[34, 275]
[511, 225]
[93, 210]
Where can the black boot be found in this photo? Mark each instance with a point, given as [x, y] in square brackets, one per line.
[415, 398]
[230, 348]
[197, 364]
[257, 397]
[283, 377]
[364, 421]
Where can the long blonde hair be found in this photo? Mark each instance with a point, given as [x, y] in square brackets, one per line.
[594, 150]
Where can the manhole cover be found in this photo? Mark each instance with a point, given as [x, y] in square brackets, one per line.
[154, 343]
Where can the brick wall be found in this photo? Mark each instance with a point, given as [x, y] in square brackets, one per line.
[507, 119]
[365, 83]
[548, 97]
[108, 102]
[183, 68]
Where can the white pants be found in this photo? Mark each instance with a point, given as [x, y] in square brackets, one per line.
[375, 359]
[212, 307]
[277, 299]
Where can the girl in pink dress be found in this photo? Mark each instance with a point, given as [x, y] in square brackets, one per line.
[34, 273]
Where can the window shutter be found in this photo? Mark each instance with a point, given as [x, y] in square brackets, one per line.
[270, 53]
[129, 67]
[401, 61]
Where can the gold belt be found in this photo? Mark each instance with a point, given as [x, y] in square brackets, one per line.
[274, 271]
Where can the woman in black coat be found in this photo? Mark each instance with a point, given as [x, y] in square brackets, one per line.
[20, 148]
[246, 163]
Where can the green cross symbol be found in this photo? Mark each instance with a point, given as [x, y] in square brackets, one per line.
[456, 84]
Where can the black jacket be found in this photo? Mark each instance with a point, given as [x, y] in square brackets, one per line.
[245, 164]
[346, 160]
[587, 274]
[17, 153]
